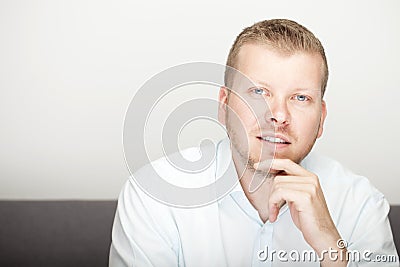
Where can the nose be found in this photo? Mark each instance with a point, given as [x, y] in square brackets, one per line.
[279, 113]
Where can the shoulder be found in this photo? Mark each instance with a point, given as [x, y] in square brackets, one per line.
[358, 209]
[172, 180]
[190, 167]
[338, 182]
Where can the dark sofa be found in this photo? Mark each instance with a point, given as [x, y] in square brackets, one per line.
[70, 233]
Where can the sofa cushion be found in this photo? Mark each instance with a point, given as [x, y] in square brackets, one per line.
[70, 233]
[55, 233]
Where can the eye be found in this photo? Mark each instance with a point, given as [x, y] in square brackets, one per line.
[259, 91]
[302, 98]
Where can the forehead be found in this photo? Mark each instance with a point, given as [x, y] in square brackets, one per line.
[264, 64]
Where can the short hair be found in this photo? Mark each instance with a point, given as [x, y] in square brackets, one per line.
[283, 35]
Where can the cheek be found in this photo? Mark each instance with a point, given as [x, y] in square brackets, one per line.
[243, 114]
[306, 126]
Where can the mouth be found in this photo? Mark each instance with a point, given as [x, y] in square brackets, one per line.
[274, 139]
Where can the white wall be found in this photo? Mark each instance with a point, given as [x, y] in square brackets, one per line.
[68, 70]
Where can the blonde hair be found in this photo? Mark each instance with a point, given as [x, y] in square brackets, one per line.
[285, 36]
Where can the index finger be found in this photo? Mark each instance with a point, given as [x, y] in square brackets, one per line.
[285, 165]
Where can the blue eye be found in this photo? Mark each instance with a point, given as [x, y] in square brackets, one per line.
[258, 91]
[301, 98]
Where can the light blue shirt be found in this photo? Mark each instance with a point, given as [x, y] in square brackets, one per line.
[229, 232]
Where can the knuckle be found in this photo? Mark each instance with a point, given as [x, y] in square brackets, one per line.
[313, 191]
[309, 197]
[314, 180]
[279, 188]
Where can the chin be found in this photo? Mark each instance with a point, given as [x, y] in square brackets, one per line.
[295, 158]
[254, 158]
[285, 156]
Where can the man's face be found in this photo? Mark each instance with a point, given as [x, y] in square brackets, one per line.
[283, 114]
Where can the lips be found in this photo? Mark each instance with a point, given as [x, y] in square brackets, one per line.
[274, 139]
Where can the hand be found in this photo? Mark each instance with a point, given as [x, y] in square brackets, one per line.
[301, 190]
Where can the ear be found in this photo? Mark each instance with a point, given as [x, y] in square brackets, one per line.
[223, 101]
[324, 113]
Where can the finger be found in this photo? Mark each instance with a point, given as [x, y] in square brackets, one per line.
[274, 211]
[292, 185]
[293, 179]
[277, 165]
[308, 187]
[280, 196]
[263, 165]
[306, 193]
[289, 167]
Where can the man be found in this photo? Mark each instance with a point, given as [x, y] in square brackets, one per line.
[284, 210]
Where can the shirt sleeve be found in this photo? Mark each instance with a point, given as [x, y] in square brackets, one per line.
[144, 232]
[372, 240]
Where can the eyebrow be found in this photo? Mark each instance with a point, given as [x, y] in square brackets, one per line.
[257, 82]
